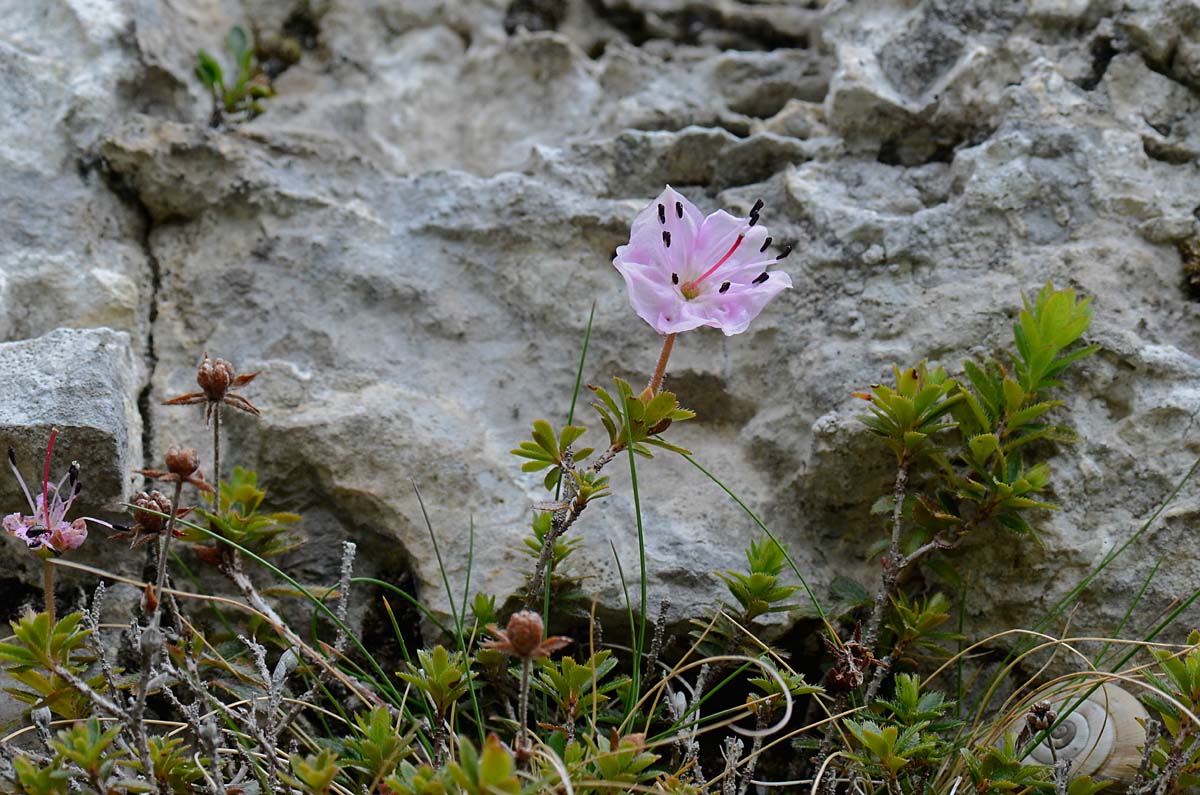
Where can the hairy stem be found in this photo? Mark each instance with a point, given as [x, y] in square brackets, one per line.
[660, 369]
[893, 562]
[48, 589]
[216, 423]
[562, 522]
[523, 707]
[168, 534]
[760, 723]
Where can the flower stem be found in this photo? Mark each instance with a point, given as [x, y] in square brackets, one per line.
[168, 534]
[661, 368]
[48, 588]
[523, 705]
[217, 449]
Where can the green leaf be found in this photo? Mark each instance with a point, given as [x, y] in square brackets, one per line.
[208, 70]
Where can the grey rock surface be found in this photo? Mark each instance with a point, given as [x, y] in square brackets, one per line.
[408, 241]
[85, 383]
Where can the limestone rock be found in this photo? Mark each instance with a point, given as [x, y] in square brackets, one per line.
[85, 383]
[408, 242]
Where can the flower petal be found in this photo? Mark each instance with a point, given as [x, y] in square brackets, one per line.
[734, 310]
[654, 297]
[717, 236]
[15, 524]
[679, 218]
[69, 536]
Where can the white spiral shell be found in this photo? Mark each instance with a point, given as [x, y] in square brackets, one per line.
[1102, 737]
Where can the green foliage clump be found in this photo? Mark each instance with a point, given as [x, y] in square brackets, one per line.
[238, 518]
[637, 420]
[1176, 677]
[42, 656]
[240, 95]
[759, 590]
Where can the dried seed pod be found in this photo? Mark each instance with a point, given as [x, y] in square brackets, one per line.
[524, 631]
[182, 461]
[215, 376]
[155, 501]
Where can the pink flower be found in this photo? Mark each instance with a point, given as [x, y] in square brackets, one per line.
[46, 529]
[684, 270]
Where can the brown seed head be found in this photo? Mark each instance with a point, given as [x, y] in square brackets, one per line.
[524, 633]
[182, 461]
[151, 501]
[214, 376]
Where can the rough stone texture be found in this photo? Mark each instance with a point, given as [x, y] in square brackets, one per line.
[408, 241]
[84, 383]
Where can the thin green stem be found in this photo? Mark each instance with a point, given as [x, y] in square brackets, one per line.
[587, 338]
[795, 569]
[48, 589]
[639, 641]
[458, 621]
[633, 696]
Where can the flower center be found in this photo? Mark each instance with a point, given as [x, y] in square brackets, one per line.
[692, 289]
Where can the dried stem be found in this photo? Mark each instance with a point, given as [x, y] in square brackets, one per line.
[656, 644]
[562, 521]
[747, 774]
[168, 534]
[1142, 782]
[342, 611]
[231, 567]
[660, 369]
[893, 561]
[732, 753]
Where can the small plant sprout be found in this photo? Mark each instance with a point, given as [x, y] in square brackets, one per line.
[237, 517]
[249, 84]
[522, 638]
[443, 678]
[45, 530]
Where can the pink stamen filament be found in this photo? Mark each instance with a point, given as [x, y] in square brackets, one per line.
[721, 261]
[46, 476]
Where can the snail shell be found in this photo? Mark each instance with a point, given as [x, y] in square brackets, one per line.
[1102, 737]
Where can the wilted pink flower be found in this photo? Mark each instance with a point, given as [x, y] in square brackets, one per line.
[46, 528]
[684, 270]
